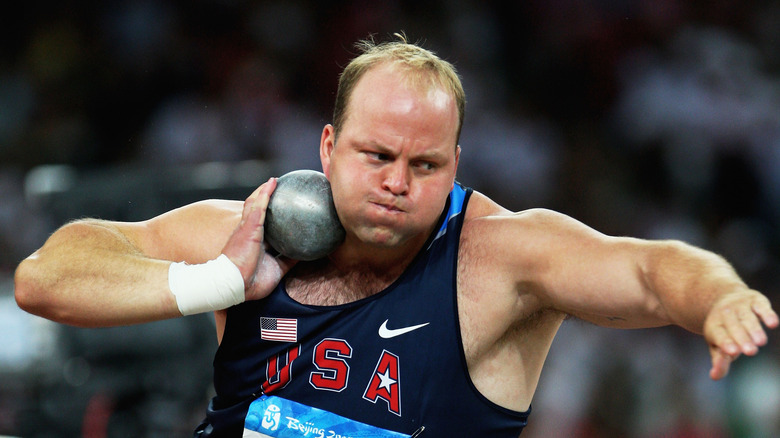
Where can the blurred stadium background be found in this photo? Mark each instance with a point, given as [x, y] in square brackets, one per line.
[651, 118]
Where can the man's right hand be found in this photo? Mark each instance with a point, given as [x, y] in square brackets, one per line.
[248, 251]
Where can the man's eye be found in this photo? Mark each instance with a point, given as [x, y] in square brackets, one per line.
[378, 156]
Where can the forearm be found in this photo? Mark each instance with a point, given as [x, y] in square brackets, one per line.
[89, 274]
[688, 281]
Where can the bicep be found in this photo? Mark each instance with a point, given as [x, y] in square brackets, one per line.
[578, 270]
[194, 233]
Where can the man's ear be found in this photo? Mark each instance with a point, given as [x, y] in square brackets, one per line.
[327, 143]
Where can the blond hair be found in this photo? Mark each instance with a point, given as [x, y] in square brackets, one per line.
[425, 68]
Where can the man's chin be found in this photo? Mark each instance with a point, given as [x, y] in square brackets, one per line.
[382, 237]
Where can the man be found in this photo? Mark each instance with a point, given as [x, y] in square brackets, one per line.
[435, 315]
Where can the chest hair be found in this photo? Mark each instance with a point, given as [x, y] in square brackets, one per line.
[320, 286]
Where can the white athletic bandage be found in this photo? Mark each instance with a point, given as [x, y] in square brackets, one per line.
[214, 285]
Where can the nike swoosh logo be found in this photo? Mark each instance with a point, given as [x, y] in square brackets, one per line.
[391, 333]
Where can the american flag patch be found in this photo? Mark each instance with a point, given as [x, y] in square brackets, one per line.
[279, 329]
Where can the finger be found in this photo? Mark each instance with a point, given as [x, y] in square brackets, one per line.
[763, 308]
[253, 214]
[265, 197]
[741, 325]
[721, 362]
[259, 198]
[752, 323]
[256, 193]
[719, 337]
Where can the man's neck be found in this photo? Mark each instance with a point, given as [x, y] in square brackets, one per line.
[351, 273]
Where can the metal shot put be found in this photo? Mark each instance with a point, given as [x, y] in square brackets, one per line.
[301, 221]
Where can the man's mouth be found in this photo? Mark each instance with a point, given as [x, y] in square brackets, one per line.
[388, 207]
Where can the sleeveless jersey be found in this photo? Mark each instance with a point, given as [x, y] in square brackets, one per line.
[390, 365]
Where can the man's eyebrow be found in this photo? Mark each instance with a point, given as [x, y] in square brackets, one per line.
[373, 145]
[431, 154]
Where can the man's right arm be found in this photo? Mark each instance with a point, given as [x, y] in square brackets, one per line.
[94, 273]
[99, 273]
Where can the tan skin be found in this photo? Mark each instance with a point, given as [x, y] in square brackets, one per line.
[519, 274]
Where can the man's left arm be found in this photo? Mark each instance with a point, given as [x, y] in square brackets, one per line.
[631, 283]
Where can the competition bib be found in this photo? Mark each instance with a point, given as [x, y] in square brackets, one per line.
[276, 417]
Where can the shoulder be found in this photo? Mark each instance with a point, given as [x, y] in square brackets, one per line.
[500, 258]
[518, 248]
[482, 207]
[487, 221]
[494, 241]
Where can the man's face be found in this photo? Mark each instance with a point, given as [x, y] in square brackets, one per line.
[395, 161]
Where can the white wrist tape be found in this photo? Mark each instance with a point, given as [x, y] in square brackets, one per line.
[214, 285]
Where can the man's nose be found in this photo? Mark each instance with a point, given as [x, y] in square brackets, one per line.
[396, 178]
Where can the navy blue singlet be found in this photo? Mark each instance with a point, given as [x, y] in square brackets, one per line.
[390, 365]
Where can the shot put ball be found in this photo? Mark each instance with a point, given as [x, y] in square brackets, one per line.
[301, 220]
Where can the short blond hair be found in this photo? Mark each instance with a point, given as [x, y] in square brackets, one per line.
[422, 64]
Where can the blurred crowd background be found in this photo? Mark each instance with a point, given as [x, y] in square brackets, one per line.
[650, 118]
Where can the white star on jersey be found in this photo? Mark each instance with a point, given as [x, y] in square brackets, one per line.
[385, 380]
